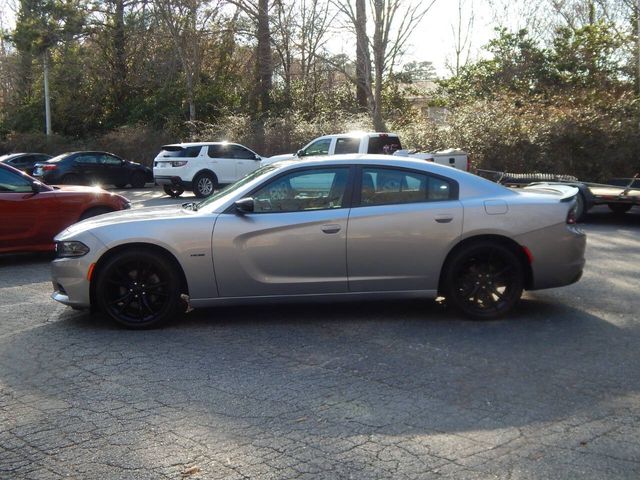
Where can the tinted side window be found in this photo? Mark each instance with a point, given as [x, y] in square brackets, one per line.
[109, 160]
[304, 190]
[241, 153]
[215, 151]
[321, 147]
[10, 182]
[386, 186]
[187, 152]
[347, 145]
[87, 159]
[385, 145]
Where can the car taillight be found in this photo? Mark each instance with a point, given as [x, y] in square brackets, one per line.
[47, 168]
[468, 165]
[572, 218]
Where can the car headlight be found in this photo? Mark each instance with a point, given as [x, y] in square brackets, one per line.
[71, 249]
[179, 163]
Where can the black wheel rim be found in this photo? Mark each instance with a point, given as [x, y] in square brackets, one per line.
[137, 291]
[486, 283]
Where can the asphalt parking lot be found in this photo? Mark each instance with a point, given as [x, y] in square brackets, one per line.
[365, 391]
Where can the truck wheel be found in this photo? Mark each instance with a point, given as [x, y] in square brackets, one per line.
[619, 208]
[204, 184]
[174, 191]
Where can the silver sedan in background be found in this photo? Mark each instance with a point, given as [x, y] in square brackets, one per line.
[355, 227]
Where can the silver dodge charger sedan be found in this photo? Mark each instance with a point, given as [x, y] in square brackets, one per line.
[355, 227]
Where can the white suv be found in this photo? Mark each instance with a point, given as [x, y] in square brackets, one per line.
[202, 167]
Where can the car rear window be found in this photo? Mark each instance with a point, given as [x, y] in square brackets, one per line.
[176, 151]
[386, 144]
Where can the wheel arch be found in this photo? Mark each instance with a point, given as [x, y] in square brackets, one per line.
[206, 170]
[503, 240]
[184, 286]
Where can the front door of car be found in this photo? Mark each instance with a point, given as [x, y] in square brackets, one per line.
[24, 212]
[293, 243]
[246, 160]
[220, 161]
[400, 229]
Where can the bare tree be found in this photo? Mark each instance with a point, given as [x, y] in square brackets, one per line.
[393, 22]
[186, 22]
[462, 32]
[258, 12]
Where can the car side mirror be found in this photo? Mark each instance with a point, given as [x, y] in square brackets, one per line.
[244, 205]
[258, 157]
[36, 187]
[301, 153]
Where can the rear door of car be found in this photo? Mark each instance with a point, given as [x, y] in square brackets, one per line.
[89, 167]
[401, 227]
[294, 243]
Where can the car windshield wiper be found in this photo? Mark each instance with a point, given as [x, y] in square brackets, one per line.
[190, 206]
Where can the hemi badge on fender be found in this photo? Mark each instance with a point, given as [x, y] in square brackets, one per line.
[197, 254]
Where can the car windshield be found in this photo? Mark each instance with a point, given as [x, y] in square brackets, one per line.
[239, 184]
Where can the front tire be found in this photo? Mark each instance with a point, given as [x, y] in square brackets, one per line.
[174, 191]
[204, 184]
[139, 289]
[484, 280]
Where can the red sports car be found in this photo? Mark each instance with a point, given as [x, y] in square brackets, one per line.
[32, 213]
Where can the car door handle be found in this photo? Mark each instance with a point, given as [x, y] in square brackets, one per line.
[331, 228]
[444, 218]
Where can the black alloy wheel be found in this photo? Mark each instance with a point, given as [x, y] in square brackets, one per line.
[204, 184]
[173, 191]
[138, 179]
[139, 289]
[484, 280]
[619, 208]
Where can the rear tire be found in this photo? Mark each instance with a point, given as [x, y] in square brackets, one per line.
[139, 289]
[619, 208]
[174, 191]
[581, 211]
[121, 185]
[93, 212]
[483, 280]
[138, 180]
[204, 184]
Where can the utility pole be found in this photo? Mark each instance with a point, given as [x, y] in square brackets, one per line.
[47, 104]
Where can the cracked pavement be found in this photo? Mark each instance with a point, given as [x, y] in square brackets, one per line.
[370, 390]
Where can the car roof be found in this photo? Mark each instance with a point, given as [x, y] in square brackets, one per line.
[200, 144]
[396, 161]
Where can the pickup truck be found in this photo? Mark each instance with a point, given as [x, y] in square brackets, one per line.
[374, 143]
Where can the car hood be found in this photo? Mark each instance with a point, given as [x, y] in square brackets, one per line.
[278, 158]
[127, 216]
[80, 189]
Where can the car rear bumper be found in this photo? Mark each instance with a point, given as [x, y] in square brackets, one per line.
[172, 180]
[557, 255]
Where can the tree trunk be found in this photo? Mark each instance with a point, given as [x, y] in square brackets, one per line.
[264, 66]
[379, 50]
[362, 55]
[119, 79]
